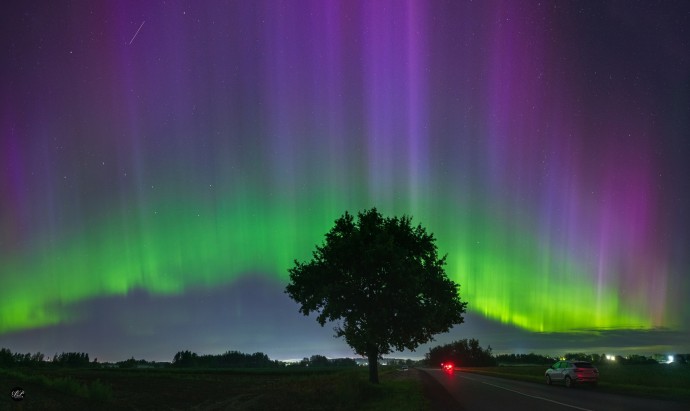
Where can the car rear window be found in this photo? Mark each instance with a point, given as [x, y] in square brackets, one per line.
[583, 365]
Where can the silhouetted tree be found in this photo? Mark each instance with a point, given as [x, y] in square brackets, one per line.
[577, 356]
[596, 358]
[319, 361]
[384, 280]
[226, 360]
[37, 358]
[129, 363]
[639, 359]
[343, 362]
[71, 359]
[530, 358]
[6, 358]
[9, 359]
[185, 359]
[462, 352]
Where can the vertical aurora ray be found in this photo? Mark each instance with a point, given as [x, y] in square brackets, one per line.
[225, 140]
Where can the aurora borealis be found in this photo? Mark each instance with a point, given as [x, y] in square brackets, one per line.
[155, 187]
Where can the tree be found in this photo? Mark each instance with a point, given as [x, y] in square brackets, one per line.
[185, 359]
[382, 281]
[463, 352]
[319, 361]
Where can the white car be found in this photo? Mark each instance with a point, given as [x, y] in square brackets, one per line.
[572, 372]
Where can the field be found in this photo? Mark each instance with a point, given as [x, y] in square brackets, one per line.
[284, 389]
[649, 380]
[169, 389]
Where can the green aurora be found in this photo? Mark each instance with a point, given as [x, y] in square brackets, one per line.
[168, 249]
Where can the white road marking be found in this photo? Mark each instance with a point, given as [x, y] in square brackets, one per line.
[527, 395]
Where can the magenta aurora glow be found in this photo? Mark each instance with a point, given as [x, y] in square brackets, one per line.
[158, 179]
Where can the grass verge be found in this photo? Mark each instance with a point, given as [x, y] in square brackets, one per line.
[395, 392]
[94, 390]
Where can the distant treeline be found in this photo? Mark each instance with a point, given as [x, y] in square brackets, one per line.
[235, 359]
[230, 359]
[464, 353]
[468, 353]
[593, 358]
[629, 359]
[183, 359]
[65, 359]
[321, 361]
[530, 358]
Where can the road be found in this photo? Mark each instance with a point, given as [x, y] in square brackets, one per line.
[474, 392]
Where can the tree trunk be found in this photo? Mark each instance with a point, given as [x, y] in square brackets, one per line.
[373, 357]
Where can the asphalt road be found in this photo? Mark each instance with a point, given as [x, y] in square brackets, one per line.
[474, 392]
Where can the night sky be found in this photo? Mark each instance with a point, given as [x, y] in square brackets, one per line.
[162, 164]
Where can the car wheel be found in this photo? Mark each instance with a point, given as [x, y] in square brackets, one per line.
[568, 382]
[548, 380]
[595, 383]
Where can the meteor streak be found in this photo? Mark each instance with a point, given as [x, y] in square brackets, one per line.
[135, 34]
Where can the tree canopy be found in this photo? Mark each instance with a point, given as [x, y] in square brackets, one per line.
[381, 280]
[466, 353]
